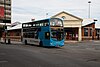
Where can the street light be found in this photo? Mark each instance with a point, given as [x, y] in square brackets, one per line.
[89, 2]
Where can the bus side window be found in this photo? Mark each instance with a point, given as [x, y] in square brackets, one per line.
[47, 35]
[33, 25]
[47, 24]
[41, 24]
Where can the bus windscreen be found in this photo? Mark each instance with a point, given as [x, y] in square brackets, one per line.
[56, 22]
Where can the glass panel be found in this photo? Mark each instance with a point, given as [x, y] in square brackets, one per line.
[85, 31]
[33, 25]
[56, 22]
[57, 34]
[24, 25]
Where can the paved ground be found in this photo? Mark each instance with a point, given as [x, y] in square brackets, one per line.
[82, 54]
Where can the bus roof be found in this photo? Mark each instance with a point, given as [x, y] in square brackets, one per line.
[37, 21]
[40, 20]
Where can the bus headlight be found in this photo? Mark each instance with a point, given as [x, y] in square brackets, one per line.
[51, 43]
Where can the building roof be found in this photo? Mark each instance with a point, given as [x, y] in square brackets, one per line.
[19, 26]
[67, 14]
[97, 26]
[87, 22]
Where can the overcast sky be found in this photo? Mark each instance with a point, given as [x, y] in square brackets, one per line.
[25, 10]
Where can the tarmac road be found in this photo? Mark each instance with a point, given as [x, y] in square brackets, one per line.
[71, 55]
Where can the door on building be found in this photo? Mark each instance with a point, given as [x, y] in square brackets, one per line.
[71, 33]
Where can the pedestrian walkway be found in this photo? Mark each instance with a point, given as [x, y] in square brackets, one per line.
[71, 41]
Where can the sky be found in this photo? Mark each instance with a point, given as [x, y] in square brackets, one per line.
[25, 10]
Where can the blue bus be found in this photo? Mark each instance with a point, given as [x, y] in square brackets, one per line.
[47, 32]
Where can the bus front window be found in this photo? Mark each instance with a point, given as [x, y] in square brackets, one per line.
[56, 22]
[57, 34]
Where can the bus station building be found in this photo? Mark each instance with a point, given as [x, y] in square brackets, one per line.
[78, 29]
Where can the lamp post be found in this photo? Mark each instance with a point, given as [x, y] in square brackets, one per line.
[5, 19]
[89, 2]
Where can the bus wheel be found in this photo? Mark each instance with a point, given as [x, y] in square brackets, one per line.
[25, 42]
[41, 44]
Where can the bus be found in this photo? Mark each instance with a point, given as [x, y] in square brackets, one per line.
[47, 32]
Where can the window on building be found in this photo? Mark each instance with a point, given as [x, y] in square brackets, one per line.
[63, 17]
[85, 31]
